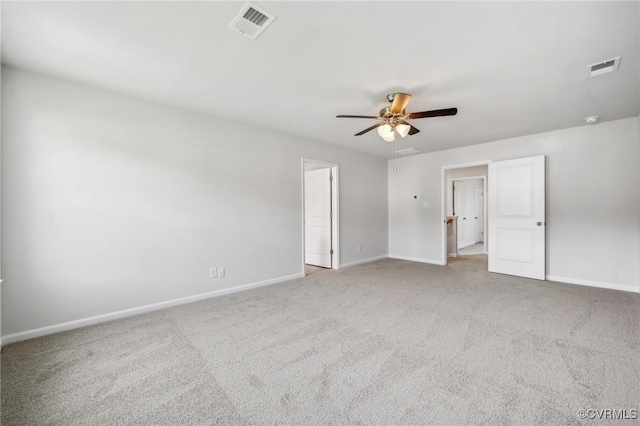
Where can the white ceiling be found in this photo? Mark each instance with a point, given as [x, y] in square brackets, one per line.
[511, 68]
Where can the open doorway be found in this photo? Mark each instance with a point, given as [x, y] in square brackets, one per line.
[464, 196]
[320, 216]
[466, 208]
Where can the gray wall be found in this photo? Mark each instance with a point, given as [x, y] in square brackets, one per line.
[591, 194]
[111, 203]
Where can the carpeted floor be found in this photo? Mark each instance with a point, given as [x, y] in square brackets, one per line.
[390, 342]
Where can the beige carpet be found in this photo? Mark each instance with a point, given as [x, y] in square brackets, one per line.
[391, 342]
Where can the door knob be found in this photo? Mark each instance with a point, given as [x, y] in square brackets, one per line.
[539, 223]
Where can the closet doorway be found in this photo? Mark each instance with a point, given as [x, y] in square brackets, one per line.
[320, 216]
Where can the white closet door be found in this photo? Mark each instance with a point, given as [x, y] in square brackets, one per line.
[317, 217]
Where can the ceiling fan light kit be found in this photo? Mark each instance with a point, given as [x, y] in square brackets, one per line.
[386, 132]
[393, 118]
[403, 129]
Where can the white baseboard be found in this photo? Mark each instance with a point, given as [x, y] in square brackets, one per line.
[593, 284]
[57, 328]
[452, 255]
[417, 259]
[360, 262]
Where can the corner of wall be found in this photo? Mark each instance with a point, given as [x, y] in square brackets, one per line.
[0, 206]
[217, 199]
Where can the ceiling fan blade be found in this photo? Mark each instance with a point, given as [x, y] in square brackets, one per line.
[368, 129]
[434, 113]
[412, 130]
[400, 101]
[356, 116]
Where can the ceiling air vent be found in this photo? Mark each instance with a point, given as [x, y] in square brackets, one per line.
[604, 67]
[408, 151]
[251, 21]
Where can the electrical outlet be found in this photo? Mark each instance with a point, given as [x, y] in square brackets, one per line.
[220, 272]
[213, 272]
[359, 248]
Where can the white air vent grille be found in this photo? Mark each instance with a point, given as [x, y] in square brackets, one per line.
[408, 151]
[254, 16]
[251, 21]
[610, 65]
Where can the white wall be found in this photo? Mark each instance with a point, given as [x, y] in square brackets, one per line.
[111, 203]
[0, 195]
[592, 200]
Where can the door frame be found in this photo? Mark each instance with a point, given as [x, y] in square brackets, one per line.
[484, 202]
[443, 203]
[335, 211]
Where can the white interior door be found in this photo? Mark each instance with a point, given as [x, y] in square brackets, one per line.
[517, 217]
[458, 209]
[317, 217]
[478, 217]
[468, 223]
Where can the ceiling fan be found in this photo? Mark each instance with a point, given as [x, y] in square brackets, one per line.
[394, 118]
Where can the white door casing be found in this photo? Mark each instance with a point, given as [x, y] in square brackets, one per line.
[317, 199]
[516, 210]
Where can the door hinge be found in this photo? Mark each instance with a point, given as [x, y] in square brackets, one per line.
[331, 252]
[330, 178]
